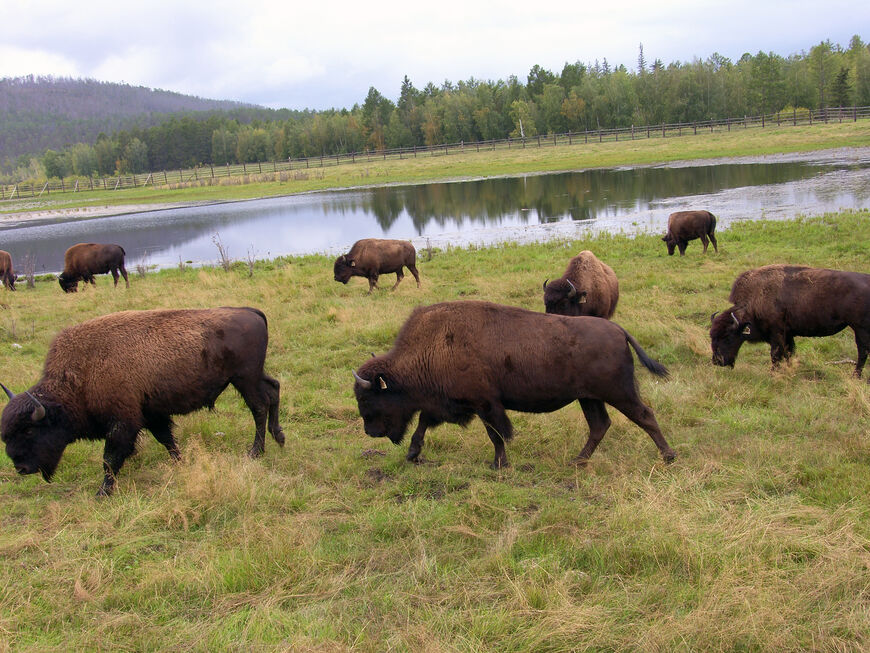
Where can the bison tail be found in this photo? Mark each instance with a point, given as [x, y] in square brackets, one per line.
[652, 365]
[712, 223]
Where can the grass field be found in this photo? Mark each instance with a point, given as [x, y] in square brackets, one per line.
[756, 538]
[472, 164]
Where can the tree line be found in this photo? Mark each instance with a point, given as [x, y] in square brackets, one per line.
[579, 97]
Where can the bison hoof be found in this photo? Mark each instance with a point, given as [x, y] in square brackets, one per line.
[255, 452]
[104, 492]
[669, 456]
[278, 435]
[499, 464]
[412, 456]
[581, 461]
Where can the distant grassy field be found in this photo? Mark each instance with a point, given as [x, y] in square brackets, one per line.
[756, 538]
[473, 164]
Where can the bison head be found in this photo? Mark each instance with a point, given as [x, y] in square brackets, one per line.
[68, 284]
[385, 409]
[671, 242]
[35, 433]
[343, 269]
[728, 331]
[562, 298]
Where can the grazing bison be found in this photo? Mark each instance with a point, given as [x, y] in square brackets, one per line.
[83, 261]
[110, 377]
[455, 360]
[371, 257]
[6, 272]
[588, 287]
[684, 226]
[775, 303]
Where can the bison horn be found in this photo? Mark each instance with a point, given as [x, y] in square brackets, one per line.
[734, 317]
[545, 284]
[573, 292]
[8, 391]
[713, 317]
[367, 385]
[38, 413]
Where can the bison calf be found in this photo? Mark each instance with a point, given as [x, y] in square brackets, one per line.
[6, 272]
[455, 360]
[81, 262]
[684, 226]
[775, 303]
[372, 257]
[110, 377]
[588, 287]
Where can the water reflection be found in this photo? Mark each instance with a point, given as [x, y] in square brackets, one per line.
[530, 207]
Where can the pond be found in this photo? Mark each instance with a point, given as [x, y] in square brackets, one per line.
[524, 208]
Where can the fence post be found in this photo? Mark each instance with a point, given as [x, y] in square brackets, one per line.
[663, 130]
[762, 121]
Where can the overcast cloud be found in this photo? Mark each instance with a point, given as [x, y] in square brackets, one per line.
[327, 54]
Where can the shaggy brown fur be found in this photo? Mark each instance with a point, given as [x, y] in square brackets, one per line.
[372, 257]
[7, 275]
[455, 360]
[81, 262]
[775, 303]
[593, 288]
[684, 226]
[112, 376]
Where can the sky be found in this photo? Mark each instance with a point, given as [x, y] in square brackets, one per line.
[321, 54]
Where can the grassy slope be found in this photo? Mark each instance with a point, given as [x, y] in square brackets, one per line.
[758, 537]
[476, 164]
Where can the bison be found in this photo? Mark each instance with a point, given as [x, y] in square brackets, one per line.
[371, 257]
[83, 261]
[112, 376]
[588, 287]
[454, 360]
[775, 303]
[6, 273]
[684, 226]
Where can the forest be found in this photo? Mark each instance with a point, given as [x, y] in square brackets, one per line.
[582, 96]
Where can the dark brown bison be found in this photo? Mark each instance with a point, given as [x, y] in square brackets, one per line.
[684, 226]
[83, 261]
[110, 377]
[371, 257]
[775, 303]
[455, 360]
[6, 272]
[588, 287]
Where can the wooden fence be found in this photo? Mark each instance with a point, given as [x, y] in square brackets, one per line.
[205, 174]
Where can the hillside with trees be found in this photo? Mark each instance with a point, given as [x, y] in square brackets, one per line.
[582, 96]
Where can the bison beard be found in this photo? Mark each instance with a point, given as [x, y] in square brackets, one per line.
[110, 377]
[455, 360]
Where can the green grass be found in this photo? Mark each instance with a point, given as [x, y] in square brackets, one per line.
[757, 538]
[472, 164]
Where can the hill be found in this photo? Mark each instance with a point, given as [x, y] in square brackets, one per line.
[39, 113]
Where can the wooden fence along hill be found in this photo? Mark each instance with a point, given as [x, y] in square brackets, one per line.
[168, 178]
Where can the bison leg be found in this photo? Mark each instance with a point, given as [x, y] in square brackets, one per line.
[120, 445]
[862, 339]
[705, 242]
[641, 414]
[413, 269]
[426, 421]
[161, 428]
[115, 275]
[596, 416]
[399, 276]
[373, 283]
[780, 348]
[124, 274]
[257, 400]
[499, 429]
[273, 391]
[713, 240]
[682, 244]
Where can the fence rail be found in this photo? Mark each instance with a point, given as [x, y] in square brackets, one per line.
[297, 168]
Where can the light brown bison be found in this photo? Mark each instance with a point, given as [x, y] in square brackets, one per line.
[83, 261]
[7, 274]
[112, 376]
[775, 303]
[588, 287]
[684, 226]
[371, 257]
[455, 360]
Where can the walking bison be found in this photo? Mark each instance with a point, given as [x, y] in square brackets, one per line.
[455, 360]
[588, 287]
[684, 226]
[372, 257]
[112, 376]
[775, 303]
[7, 274]
[81, 262]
